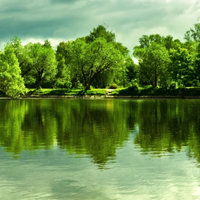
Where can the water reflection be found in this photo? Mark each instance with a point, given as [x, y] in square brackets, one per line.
[82, 127]
[169, 126]
[97, 128]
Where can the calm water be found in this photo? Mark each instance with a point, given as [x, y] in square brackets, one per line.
[99, 149]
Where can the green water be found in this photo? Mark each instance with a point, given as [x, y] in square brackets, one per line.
[99, 149]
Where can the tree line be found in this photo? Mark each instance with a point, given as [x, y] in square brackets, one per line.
[98, 61]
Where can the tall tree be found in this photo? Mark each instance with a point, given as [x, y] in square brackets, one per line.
[62, 77]
[44, 62]
[131, 70]
[117, 75]
[65, 75]
[181, 66]
[146, 40]
[22, 54]
[192, 44]
[193, 34]
[94, 58]
[196, 61]
[153, 63]
[98, 32]
[11, 82]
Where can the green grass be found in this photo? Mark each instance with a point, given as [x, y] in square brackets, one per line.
[150, 91]
[96, 92]
[67, 92]
[144, 91]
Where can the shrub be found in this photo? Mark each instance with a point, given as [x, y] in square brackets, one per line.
[113, 86]
[134, 86]
[173, 85]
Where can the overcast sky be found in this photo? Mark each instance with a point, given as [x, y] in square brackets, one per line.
[63, 20]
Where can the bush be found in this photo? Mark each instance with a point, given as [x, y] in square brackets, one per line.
[134, 86]
[173, 85]
[113, 86]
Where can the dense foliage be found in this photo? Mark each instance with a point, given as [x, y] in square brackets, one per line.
[99, 61]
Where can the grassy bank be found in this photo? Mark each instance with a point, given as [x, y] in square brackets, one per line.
[122, 92]
[66, 92]
[150, 91]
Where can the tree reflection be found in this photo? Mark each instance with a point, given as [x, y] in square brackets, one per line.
[11, 119]
[82, 127]
[169, 126]
[97, 128]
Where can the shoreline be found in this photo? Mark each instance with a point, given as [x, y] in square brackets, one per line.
[98, 97]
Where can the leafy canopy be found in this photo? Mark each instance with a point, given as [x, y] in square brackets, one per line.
[11, 82]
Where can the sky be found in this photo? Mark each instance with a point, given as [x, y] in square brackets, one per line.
[63, 20]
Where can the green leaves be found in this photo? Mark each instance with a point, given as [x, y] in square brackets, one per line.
[154, 63]
[89, 60]
[100, 32]
[181, 65]
[44, 64]
[11, 82]
[98, 60]
[193, 34]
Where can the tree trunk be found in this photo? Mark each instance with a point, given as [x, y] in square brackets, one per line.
[87, 86]
[74, 82]
[39, 82]
[39, 78]
[155, 81]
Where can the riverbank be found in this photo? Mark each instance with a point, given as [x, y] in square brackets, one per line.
[128, 93]
[103, 97]
[99, 97]
[131, 92]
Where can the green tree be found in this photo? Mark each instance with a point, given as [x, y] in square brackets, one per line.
[36, 61]
[62, 78]
[196, 61]
[192, 38]
[146, 40]
[168, 41]
[23, 56]
[103, 79]
[153, 63]
[110, 76]
[69, 74]
[193, 34]
[98, 32]
[44, 62]
[62, 52]
[119, 74]
[11, 82]
[92, 59]
[131, 70]
[181, 66]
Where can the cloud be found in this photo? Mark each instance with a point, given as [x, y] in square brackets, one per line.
[69, 19]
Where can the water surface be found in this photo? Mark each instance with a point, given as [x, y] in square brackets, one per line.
[99, 149]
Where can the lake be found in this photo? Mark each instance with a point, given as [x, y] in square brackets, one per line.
[108, 149]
